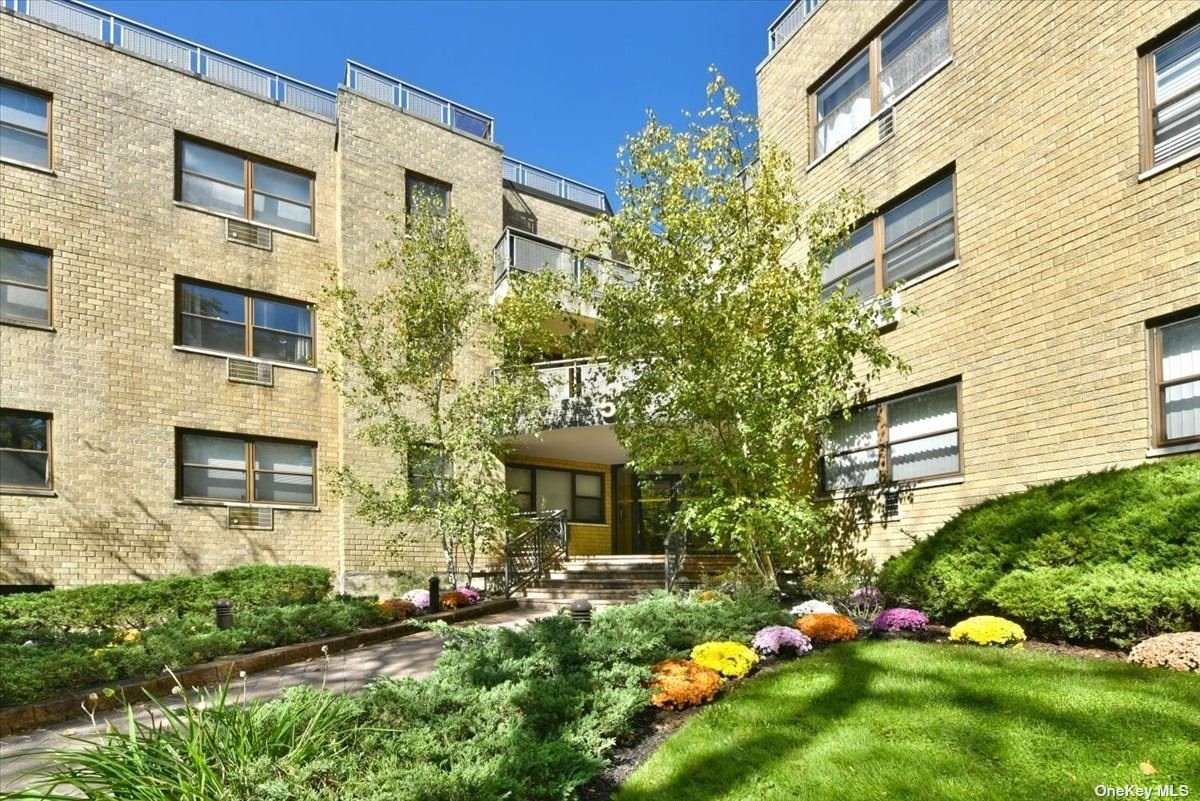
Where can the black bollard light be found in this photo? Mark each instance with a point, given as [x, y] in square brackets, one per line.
[224, 609]
[435, 594]
[581, 613]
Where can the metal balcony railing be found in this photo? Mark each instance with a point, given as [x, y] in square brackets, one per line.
[414, 100]
[558, 185]
[522, 252]
[174, 51]
[790, 21]
[579, 393]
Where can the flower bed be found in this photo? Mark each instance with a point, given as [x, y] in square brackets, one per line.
[826, 629]
[775, 640]
[987, 630]
[731, 659]
[681, 683]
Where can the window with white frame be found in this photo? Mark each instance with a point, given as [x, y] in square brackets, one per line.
[1176, 368]
[24, 126]
[909, 438]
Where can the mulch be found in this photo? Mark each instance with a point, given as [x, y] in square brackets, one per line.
[656, 725]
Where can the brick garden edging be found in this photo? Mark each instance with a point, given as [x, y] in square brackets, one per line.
[15, 719]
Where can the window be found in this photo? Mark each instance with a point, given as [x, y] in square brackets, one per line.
[914, 236]
[1177, 381]
[24, 450]
[428, 468]
[228, 467]
[24, 126]
[881, 73]
[244, 324]
[909, 438]
[1171, 99]
[418, 186]
[24, 285]
[231, 183]
[579, 494]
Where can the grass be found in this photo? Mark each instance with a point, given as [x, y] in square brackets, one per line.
[897, 720]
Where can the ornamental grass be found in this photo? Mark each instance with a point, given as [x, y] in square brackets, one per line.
[680, 683]
[398, 608]
[900, 618]
[988, 630]
[777, 640]
[825, 628]
[1179, 651]
[455, 599]
[731, 659]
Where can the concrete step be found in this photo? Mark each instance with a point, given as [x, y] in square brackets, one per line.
[600, 583]
[632, 574]
[570, 594]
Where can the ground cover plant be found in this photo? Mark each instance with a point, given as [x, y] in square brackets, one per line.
[1107, 558]
[897, 719]
[527, 714]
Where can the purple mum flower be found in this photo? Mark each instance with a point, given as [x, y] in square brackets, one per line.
[900, 619]
[419, 598]
[772, 639]
[473, 595]
[867, 595]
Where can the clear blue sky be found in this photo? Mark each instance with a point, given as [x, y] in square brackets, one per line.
[565, 80]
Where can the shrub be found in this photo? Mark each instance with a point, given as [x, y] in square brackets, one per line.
[900, 618]
[420, 598]
[731, 659]
[1176, 651]
[151, 603]
[813, 607]
[680, 683]
[712, 595]
[1105, 558]
[398, 608]
[824, 629]
[987, 630]
[454, 600]
[772, 640]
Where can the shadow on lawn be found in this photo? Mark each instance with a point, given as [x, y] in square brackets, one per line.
[788, 732]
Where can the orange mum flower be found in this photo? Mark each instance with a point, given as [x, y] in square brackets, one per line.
[823, 628]
[680, 683]
[455, 600]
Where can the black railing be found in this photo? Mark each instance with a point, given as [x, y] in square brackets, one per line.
[675, 552]
[538, 547]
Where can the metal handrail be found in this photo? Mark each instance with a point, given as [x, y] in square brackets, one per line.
[418, 101]
[674, 554]
[165, 48]
[503, 258]
[532, 554]
[539, 178]
[792, 18]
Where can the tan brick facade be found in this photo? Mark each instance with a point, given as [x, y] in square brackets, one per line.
[1064, 254]
[109, 373]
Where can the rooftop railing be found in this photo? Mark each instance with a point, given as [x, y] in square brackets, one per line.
[790, 21]
[174, 51]
[558, 185]
[402, 95]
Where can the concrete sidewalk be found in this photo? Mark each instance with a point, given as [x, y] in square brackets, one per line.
[413, 656]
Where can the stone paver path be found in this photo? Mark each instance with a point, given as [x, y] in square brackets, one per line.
[413, 656]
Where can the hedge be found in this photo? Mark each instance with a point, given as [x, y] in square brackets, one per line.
[1107, 558]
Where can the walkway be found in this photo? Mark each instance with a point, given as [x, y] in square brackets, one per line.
[412, 656]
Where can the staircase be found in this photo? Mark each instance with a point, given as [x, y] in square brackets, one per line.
[608, 580]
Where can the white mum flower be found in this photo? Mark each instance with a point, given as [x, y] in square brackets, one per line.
[813, 607]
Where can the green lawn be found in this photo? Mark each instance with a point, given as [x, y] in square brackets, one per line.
[903, 720]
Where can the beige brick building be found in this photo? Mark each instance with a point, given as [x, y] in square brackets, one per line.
[1035, 168]
[167, 217]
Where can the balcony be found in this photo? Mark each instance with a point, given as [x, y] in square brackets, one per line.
[554, 184]
[520, 252]
[790, 21]
[580, 395]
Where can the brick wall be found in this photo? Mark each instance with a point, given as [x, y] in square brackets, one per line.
[1064, 252]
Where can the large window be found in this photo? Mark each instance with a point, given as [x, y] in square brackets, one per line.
[24, 126]
[1171, 99]
[418, 187]
[24, 450]
[1177, 381]
[882, 72]
[539, 489]
[914, 236]
[906, 439]
[243, 186]
[243, 324]
[229, 467]
[428, 468]
[24, 284]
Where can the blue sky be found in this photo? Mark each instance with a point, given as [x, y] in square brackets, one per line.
[566, 81]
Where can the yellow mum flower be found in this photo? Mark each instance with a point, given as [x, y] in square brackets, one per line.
[731, 659]
[988, 630]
